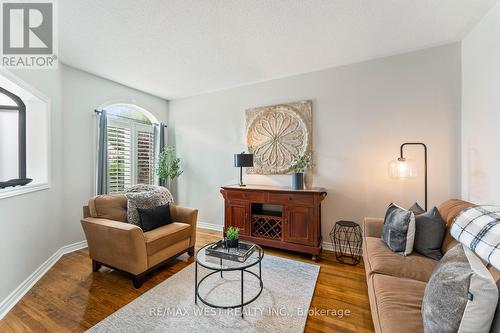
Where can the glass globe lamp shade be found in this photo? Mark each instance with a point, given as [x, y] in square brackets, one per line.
[403, 169]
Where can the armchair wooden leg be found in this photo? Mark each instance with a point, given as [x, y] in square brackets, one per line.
[191, 251]
[96, 266]
[138, 280]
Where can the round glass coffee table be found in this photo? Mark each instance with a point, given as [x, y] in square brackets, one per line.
[219, 265]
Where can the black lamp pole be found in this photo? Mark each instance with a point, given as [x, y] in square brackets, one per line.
[425, 161]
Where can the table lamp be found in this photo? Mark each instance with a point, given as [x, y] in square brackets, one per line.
[241, 161]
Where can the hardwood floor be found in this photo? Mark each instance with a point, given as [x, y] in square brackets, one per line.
[70, 298]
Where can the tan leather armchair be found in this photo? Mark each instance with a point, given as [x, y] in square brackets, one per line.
[117, 244]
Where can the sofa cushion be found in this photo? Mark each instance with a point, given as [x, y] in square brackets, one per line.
[429, 234]
[379, 258]
[152, 218]
[416, 209]
[461, 294]
[449, 210]
[165, 236]
[399, 229]
[149, 199]
[494, 272]
[109, 206]
[395, 304]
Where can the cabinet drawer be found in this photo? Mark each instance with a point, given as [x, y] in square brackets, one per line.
[291, 198]
[242, 195]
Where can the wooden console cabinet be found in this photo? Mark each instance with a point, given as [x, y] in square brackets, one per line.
[276, 216]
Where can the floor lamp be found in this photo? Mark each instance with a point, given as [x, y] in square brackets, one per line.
[403, 168]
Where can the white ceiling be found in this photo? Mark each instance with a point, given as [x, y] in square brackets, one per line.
[177, 48]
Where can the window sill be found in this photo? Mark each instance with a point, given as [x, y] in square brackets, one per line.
[14, 191]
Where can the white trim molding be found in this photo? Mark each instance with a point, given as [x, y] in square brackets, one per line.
[209, 226]
[10, 301]
[38, 184]
[13, 191]
[328, 246]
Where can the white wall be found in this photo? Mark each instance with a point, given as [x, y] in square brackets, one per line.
[82, 94]
[481, 111]
[33, 226]
[30, 224]
[361, 114]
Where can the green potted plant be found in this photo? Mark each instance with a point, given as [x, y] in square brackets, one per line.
[299, 165]
[232, 234]
[168, 166]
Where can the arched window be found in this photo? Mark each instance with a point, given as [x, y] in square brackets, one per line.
[14, 108]
[131, 146]
[24, 138]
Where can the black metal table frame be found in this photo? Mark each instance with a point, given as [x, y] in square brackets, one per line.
[217, 270]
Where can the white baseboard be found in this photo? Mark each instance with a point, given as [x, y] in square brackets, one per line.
[209, 226]
[8, 303]
[329, 247]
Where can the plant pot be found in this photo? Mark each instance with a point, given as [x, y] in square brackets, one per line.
[232, 243]
[298, 181]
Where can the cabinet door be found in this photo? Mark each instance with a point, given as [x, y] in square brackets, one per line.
[299, 225]
[238, 216]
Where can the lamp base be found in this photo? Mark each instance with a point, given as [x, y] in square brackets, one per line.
[242, 185]
[241, 178]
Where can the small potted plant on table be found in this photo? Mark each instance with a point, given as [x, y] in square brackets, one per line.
[232, 234]
[299, 165]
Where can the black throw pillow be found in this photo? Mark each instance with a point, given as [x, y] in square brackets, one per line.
[152, 218]
[416, 209]
[430, 230]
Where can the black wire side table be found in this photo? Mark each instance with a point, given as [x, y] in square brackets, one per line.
[346, 240]
[219, 265]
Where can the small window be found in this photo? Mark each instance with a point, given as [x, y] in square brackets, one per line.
[24, 138]
[130, 148]
[13, 143]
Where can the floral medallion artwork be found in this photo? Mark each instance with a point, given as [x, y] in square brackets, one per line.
[276, 133]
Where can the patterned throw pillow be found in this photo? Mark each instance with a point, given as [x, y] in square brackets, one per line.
[399, 229]
[461, 295]
[148, 188]
[478, 228]
[151, 196]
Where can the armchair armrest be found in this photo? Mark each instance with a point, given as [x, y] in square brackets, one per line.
[116, 244]
[185, 215]
[372, 227]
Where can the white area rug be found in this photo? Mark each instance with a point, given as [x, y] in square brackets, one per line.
[169, 307]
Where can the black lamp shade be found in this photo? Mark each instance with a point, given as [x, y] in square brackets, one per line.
[243, 160]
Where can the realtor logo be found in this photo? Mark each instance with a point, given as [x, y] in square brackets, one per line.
[28, 34]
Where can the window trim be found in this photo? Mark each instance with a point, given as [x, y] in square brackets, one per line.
[134, 127]
[34, 186]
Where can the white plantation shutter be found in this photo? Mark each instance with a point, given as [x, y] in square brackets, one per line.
[145, 157]
[130, 154]
[119, 158]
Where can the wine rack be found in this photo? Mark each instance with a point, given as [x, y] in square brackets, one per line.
[267, 226]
